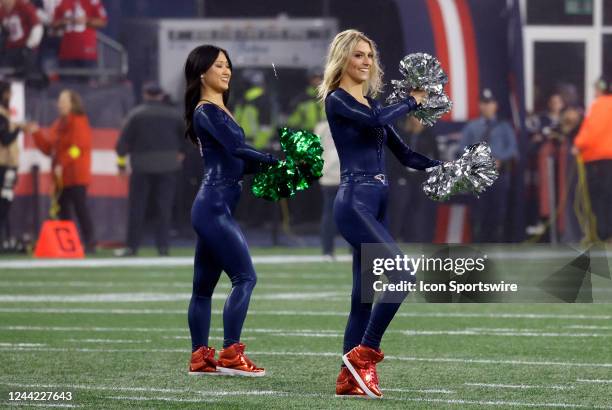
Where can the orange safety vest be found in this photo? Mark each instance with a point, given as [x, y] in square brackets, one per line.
[594, 140]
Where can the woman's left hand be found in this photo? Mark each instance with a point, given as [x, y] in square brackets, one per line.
[420, 96]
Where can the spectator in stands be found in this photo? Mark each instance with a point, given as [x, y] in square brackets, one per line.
[9, 156]
[153, 137]
[489, 211]
[23, 33]
[329, 187]
[594, 144]
[412, 215]
[79, 20]
[68, 142]
[49, 47]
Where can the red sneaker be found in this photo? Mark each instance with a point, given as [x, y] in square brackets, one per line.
[346, 385]
[361, 362]
[233, 361]
[203, 361]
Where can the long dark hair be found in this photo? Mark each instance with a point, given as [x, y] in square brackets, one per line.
[199, 61]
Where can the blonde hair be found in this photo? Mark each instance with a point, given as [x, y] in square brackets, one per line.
[338, 55]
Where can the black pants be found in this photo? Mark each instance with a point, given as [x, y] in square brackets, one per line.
[599, 180]
[75, 197]
[489, 212]
[328, 225]
[8, 180]
[412, 216]
[160, 188]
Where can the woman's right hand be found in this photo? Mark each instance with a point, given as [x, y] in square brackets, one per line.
[419, 95]
[31, 127]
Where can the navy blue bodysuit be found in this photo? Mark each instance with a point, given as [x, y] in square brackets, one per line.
[221, 244]
[360, 209]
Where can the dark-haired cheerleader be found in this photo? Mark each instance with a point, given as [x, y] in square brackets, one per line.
[221, 246]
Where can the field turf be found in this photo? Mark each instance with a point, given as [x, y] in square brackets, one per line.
[117, 337]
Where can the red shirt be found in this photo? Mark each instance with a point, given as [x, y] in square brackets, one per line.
[64, 134]
[18, 23]
[79, 40]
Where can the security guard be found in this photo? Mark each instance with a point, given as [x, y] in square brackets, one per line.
[152, 136]
[490, 209]
[252, 112]
[307, 109]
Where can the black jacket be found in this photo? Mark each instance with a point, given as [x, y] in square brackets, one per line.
[153, 137]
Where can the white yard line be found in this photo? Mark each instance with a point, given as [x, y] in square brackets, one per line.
[143, 262]
[22, 344]
[440, 391]
[120, 341]
[261, 259]
[46, 405]
[323, 354]
[272, 393]
[467, 332]
[589, 327]
[245, 338]
[148, 284]
[155, 297]
[439, 315]
[109, 311]
[599, 381]
[311, 332]
[157, 398]
[93, 329]
[500, 403]
[220, 393]
[518, 386]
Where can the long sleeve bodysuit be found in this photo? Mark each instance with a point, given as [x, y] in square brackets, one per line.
[360, 209]
[221, 245]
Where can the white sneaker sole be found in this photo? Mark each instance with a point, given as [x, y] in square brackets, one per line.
[233, 372]
[363, 386]
[354, 396]
[217, 373]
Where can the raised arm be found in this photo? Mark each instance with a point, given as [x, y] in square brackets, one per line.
[217, 123]
[405, 155]
[343, 104]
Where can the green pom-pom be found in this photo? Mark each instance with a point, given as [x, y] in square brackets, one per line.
[303, 165]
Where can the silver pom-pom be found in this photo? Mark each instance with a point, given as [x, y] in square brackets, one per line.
[473, 173]
[423, 71]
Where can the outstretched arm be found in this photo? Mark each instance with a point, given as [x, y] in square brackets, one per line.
[343, 104]
[405, 155]
[216, 122]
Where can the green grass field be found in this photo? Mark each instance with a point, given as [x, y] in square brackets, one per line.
[117, 337]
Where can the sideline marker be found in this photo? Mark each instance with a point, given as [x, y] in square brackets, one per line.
[59, 239]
